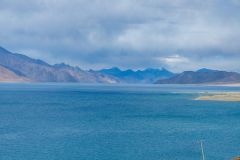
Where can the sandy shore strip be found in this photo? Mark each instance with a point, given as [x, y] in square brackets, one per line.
[228, 85]
[226, 96]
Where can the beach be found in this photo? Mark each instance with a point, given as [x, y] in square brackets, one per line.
[223, 96]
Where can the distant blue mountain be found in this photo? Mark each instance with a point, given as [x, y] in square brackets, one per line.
[3, 50]
[206, 70]
[149, 75]
[112, 71]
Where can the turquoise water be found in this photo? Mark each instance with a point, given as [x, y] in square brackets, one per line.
[97, 122]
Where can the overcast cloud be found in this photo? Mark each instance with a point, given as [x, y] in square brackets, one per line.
[177, 34]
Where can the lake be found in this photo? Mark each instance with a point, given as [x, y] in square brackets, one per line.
[116, 122]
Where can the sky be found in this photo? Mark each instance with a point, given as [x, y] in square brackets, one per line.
[175, 34]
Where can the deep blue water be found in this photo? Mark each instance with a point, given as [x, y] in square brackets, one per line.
[97, 122]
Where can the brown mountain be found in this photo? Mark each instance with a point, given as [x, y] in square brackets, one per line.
[40, 71]
[203, 76]
[7, 75]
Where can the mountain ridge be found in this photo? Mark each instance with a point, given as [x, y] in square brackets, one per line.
[203, 76]
[37, 70]
[16, 67]
[149, 75]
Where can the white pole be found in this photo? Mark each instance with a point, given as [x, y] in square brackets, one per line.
[203, 156]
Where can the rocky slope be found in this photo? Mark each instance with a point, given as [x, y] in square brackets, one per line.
[7, 75]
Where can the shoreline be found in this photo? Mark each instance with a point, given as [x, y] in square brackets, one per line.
[223, 96]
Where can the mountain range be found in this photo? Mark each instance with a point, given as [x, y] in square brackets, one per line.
[203, 76]
[20, 68]
[16, 67]
[35, 70]
[148, 75]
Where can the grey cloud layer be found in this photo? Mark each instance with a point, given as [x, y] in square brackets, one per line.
[125, 33]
